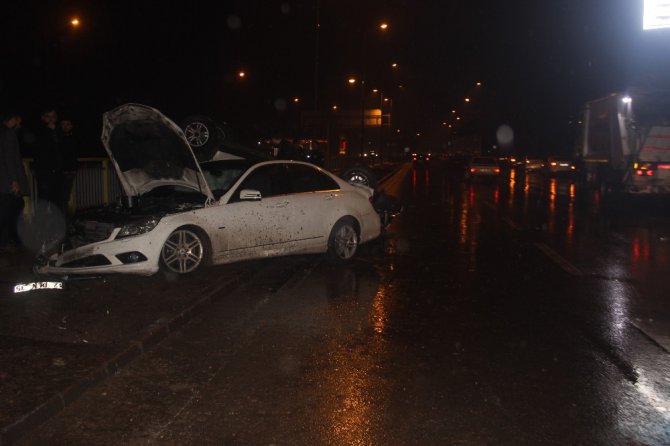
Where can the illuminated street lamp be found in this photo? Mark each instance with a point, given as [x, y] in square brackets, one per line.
[384, 26]
[467, 99]
[241, 74]
[296, 100]
[75, 22]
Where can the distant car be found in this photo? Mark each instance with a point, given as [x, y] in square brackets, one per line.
[482, 166]
[533, 164]
[179, 214]
[420, 158]
[509, 162]
[557, 166]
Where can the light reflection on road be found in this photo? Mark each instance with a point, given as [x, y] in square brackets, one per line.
[361, 392]
[351, 304]
[627, 250]
[625, 239]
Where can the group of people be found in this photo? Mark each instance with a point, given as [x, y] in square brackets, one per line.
[54, 169]
[290, 149]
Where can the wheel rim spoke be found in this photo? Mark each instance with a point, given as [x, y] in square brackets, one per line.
[171, 245]
[170, 260]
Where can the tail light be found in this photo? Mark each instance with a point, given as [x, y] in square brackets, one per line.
[645, 169]
[496, 170]
[473, 170]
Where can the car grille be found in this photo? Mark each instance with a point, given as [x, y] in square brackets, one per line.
[90, 231]
[94, 260]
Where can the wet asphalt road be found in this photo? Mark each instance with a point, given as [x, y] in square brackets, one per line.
[480, 318]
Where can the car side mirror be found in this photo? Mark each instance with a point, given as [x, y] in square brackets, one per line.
[250, 195]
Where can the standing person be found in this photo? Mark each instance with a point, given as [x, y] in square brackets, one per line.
[49, 161]
[13, 181]
[286, 150]
[70, 149]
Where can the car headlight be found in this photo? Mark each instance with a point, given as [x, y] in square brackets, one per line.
[138, 227]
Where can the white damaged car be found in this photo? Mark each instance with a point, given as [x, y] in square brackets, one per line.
[179, 214]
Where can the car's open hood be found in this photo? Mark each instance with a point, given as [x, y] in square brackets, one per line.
[149, 150]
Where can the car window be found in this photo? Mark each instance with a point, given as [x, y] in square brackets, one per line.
[260, 180]
[221, 175]
[308, 179]
[269, 180]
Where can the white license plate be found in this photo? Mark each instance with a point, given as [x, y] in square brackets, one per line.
[23, 287]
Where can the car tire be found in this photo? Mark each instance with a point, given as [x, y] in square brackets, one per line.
[360, 175]
[184, 251]
[343, 240]
[203, 135]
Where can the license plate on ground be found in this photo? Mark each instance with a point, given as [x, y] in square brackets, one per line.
[23, 287]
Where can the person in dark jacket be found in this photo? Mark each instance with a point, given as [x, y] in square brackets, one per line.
[286, 150]
[49, 161]
[69, 143]
[13, 180]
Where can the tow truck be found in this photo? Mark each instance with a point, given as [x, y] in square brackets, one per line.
[624, 146]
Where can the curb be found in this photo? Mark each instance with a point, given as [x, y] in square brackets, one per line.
[390, 174]
[12, 433]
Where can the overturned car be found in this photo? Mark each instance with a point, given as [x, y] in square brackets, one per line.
[179, 214]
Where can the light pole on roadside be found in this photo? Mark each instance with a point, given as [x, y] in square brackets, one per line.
[352, 81]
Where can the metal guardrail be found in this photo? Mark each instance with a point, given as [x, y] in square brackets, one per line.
[95, 184]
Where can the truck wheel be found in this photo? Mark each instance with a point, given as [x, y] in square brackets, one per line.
[610, 194]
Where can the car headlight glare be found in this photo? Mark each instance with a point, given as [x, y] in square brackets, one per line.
[138, 227]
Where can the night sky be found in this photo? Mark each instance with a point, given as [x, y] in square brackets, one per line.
[538, 60]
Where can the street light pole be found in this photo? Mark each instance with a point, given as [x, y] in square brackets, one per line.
[381, 124]
[316, 56]
[361, 151]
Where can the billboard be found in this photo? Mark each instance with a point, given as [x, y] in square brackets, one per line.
[346, 119]
[656, 14]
